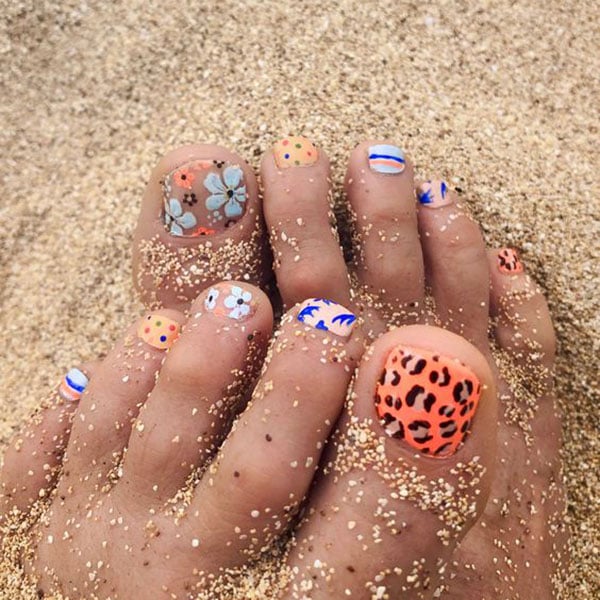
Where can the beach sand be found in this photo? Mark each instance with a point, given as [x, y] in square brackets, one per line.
[499, 98]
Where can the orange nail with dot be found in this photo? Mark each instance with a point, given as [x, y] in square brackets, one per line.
[295, 151]
[159, 331]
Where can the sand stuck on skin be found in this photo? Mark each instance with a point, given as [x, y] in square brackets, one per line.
[499, 98]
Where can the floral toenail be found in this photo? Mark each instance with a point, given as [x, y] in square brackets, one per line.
[231, 301]
[203, 197]
[73, 385]
[159, 331]
[508, 262]
[427, 400]
[327, 315]
[434, 194]
[295, 151]
[385, 158]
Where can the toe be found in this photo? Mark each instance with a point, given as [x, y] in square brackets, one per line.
[308, 260]
[121, 383]
[389, 262]
[33, 458]
[410, 469]
[201, 386]
[523, 321]
[200, 222]
[456, 262]
[269, 460]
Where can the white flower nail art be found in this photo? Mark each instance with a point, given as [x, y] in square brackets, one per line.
[210, 302]
[238, 302]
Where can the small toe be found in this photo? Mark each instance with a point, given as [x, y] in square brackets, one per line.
[202, 385]
[389, 263]
[33, 458]
[269, 460]
[308, 260]
[200, 222]
[456, 262]
[523, 324]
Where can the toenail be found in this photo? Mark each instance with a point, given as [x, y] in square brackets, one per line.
[387, 159]
[159, 331]
[508, 262]
[328, 316]
[295, 151]
[231, 301]
[434, 194]
[73, 385]
[427, 400]
[203, 197]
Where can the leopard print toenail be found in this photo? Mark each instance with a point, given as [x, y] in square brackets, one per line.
[427, 400]
[508, 262]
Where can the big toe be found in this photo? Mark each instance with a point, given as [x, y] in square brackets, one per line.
[200, 222]
[407, 474]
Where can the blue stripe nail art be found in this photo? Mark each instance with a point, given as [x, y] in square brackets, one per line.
[385, 158]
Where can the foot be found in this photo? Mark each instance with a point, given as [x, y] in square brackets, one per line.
[376, 490]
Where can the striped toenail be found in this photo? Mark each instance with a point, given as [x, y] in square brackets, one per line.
[73, 385]
[427, 400]
[387, 159]
[159, 331]
[328, 316]
[295, 151]
[508, 262]
[434, 194]
[203, 197]
[231, 301]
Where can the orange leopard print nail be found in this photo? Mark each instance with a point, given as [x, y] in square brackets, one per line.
[508, 261]
[427, 400]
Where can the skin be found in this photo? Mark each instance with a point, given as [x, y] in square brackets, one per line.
[365, 530]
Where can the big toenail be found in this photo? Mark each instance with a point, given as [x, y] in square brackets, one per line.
[73, 385]
[231, 301]
[203, 197]
[387, 159]
[159, 331]
[427, 400]
[295, 151]
[434, 194]
[508, 262]
[328, 316]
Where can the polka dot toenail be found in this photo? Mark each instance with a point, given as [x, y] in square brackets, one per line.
[161, 333]
[295, 151]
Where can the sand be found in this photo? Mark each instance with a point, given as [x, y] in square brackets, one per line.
[501, 98]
